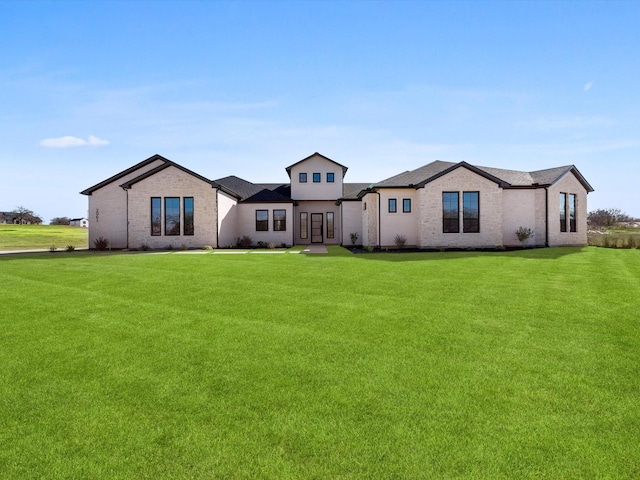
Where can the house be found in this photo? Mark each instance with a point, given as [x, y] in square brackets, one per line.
[79, 222]
[159, 203]
[19, 218]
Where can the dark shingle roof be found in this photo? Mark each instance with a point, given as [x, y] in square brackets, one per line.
[350, 191]
[250, 192]
[505, 178]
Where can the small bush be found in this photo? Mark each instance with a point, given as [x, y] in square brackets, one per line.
[244, 242]
[52, 248]
[70, 248]
[101, 243]
[184, 247]
[271, 246]
[207, 247]
[368, 248]
[170, 247]
[144, 247]
[400, 240]
[523, 233]
[354, 237]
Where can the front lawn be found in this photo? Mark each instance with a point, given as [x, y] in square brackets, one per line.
[521, 364]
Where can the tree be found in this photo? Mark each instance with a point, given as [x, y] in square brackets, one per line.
[606, 217]
[24, 215]
[60, 221]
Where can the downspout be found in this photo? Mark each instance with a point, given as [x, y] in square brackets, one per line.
[217, 217]
[379, 218]
[127, 215]
[546, 216]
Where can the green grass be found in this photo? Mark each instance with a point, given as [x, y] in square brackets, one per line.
[521, 364]
[34, 237]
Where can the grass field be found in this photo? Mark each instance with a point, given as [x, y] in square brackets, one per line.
[521, 364]
[34, 237]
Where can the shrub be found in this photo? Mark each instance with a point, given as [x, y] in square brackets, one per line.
[144, 247]
[170, 247]
[244, 242]
[354, 237]
[70, 248]
[368, 248]
[101, 243]
[400, 240]
[271, 246]
[207, 247]
[523, 233]
[52, 248]
[184, 247]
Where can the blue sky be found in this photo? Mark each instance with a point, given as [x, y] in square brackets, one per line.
[248, 88]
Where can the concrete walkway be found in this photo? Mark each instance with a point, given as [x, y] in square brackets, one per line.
[315, 249]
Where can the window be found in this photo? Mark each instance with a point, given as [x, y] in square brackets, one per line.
[316, 178]
[302, 177]
[393, 207]
[330, 224]
[471, 212]
[172, 216]
[188, 215]
[572, 212]
[279, 220]
[156, 216]
[304, 225]
[450, 214]
[563, 212]
[406, 205]
[262, 220]
[330, 177]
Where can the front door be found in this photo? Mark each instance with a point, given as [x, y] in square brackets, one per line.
[316, 228]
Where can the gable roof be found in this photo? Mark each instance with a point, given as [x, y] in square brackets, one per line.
[159, 168]
[124, 173]
[248, 192]
[505, 178]
[344, 169]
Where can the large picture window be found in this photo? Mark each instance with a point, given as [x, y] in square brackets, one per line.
[471, 212]
[262, 220]
[188, 216]
[279, 220]
[563, 212]
[156, 216]
[172, 216]
[450, 212]
[304, 225]
[330, 225]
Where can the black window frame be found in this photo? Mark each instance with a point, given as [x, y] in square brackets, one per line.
[280, 225]
[572, 210]
[156, 216]
[392, 205]
[317, 177]
[562, 200]
[406, 205]
[188, 216]
[171, 226]
[450, 224]
[471, 222]
[330, 224]
[262, 225]
[331, 178]
[302, 177]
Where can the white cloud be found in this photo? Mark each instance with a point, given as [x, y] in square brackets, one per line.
[588, 85]
[69, 141]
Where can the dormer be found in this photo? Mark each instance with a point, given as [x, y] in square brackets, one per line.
[316, 178]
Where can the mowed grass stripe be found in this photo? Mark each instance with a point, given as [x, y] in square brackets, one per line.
[472, 365]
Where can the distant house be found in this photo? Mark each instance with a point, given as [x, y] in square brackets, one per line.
[15, 219]
[439, 205]
[79, 222]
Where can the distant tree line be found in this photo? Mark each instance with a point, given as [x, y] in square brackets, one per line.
[607, 217]
[20, 215]
[60, 221]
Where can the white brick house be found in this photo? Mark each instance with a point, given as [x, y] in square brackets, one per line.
[161, 204]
